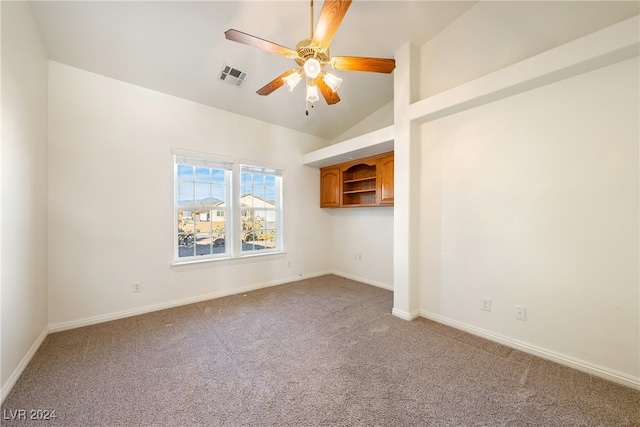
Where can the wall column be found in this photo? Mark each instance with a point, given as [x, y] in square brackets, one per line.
[407, 180]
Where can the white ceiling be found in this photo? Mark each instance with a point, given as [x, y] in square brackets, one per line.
[179, 48]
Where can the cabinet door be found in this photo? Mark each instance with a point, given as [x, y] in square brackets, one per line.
[385, 180]
[330, 187]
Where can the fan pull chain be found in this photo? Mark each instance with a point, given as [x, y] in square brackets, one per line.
[306, 112]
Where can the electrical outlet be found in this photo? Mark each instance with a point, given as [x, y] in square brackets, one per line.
[357, 257]
[485, 304]
[521, 312]
[137, 287]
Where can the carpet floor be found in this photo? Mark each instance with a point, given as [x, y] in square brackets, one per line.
[319, 352]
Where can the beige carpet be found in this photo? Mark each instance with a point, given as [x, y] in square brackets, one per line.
[319, 352]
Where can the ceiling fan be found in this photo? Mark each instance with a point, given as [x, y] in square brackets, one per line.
[312, 55]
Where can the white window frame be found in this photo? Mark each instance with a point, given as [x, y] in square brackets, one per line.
[268, 170]
[233, 206]
[208, 161]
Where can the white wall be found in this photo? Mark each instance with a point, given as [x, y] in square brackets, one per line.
[362, 238]
[367, 232]
[24, 191]
[534, 200]
[379, 119]
[495, 34]
[110, 198]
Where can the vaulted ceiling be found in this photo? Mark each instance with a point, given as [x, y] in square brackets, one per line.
[179, 48]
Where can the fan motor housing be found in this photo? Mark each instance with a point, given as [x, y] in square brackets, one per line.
[307, 50]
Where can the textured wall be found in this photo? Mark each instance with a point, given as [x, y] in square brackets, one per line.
[24, 188]
[111, 195]
[533, 200]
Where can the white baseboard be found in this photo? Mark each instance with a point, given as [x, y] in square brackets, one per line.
[63, 326]
[581, 365]
[405, 315]
[363, 280]
[8, 386]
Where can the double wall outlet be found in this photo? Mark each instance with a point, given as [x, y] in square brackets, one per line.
[137, 287]
[520, 310]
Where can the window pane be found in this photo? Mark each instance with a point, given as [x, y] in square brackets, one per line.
[203, 244]
[258, 179]
[218, 194]
[270, 239]
[203, 175]
[185, 221]
[218, 245]
[260, 216]
[203, 194]
[217, 176]
[203, 222]
[185, 194]
[270, 181]
[260, 193]
[185, 173]
[218, 224]
[254, 230]
[245, 178]
[218, 234]
[185, 234]
[270, 196]
[248, 226]
[185, 250]
[271, 222]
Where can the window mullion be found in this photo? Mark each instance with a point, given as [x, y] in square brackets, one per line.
[236, 213]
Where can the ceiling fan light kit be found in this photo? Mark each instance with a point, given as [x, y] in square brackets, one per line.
[292, 80]
[312, 93]
[312, 68]
[332, 81]
[313, 54]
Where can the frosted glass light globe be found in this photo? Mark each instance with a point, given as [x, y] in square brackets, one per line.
[312, 68]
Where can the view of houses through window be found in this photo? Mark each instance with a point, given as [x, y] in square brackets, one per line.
[258, 208]
[214, 222]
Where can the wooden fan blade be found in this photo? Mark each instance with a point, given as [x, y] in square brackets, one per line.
[274, 84]
[248, 39]
[330, 96]
[355, 63]
[330, 18]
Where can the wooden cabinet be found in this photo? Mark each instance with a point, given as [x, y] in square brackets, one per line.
[385, 180]
[359, 183]
[330, 187]
[362, 182]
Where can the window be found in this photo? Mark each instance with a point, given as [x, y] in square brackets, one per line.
[215, 219]
[202, 194]
[260, 208]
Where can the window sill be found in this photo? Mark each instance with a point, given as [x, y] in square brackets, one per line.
[220, 262]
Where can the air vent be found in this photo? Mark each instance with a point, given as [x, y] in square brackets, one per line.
[232, 76]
